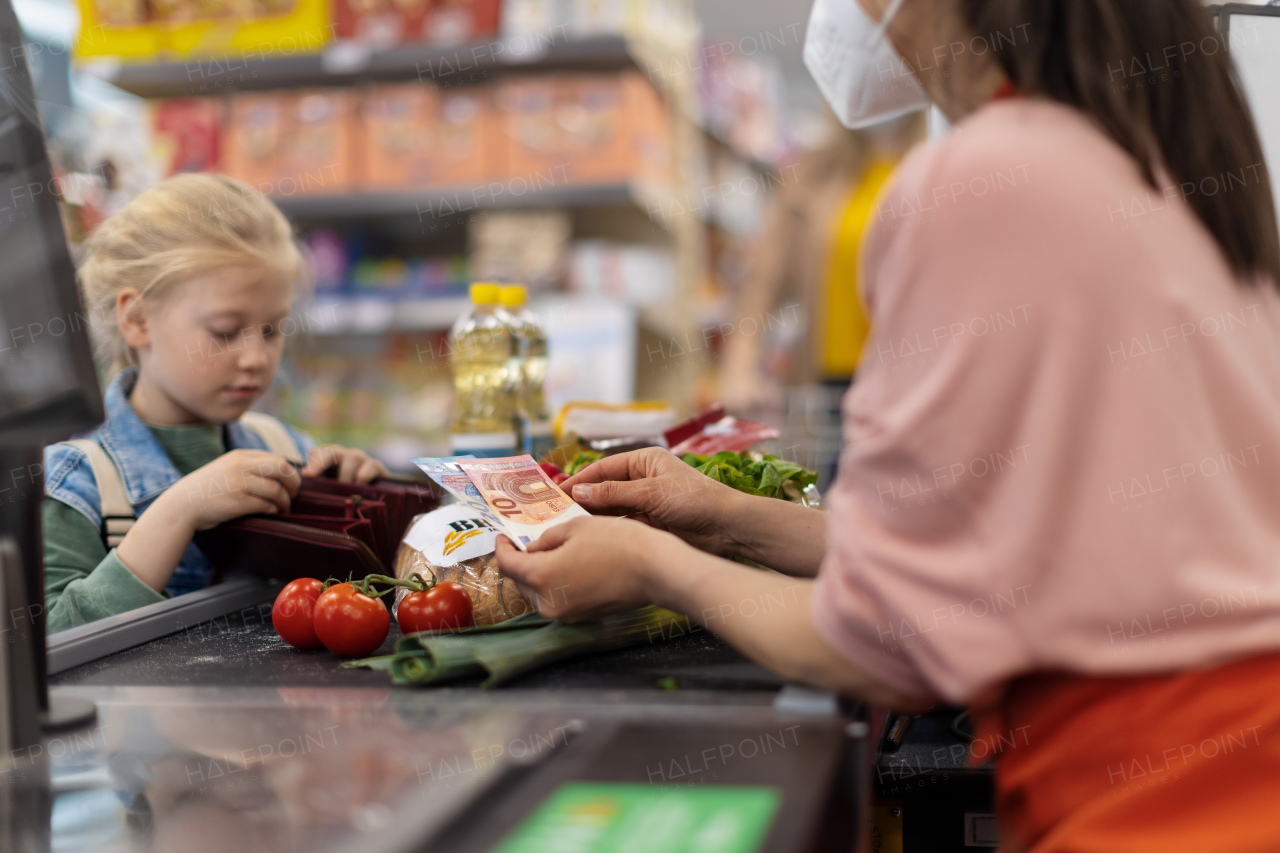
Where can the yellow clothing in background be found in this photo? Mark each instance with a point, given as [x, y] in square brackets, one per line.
[845, 322]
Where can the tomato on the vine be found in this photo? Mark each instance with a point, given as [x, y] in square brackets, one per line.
[291, 614]
[445, 605]
[350, 623]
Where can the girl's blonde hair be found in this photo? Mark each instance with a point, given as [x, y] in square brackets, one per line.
[183, 227]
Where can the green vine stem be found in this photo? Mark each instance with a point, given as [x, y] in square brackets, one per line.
[415, 582]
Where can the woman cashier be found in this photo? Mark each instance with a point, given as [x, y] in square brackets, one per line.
[1059, 497]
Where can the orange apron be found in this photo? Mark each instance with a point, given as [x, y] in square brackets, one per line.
[1176, 763]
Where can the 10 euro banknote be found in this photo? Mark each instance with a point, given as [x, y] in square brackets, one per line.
[521, 495]
[513, 492]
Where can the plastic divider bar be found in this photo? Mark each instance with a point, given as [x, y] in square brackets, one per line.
[96, 640]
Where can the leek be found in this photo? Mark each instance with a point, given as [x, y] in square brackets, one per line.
[507, 651]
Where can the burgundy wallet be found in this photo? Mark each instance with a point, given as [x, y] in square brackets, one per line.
[332, 529]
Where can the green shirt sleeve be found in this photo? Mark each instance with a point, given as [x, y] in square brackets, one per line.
[84, 582]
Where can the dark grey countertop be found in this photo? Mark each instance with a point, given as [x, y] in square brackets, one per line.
[243, 650]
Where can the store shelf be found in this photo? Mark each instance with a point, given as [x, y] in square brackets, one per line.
[345, 63]
[363, 315]
[435, 207]
[372, 315]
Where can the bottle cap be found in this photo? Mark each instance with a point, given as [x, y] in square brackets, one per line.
[514, 295]
[485, 293]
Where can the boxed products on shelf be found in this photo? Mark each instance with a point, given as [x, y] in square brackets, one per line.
[141, 30]
[187, 134]
[417, 278]
[319, 154]
[636, 273]
[530, 25]
[414, 136]
[382, 23]
[742, 104]
[254, 136]
[345, 268]
[525, 134]
[293, 143]
[585, 128]
[136, 30]
[521, 245]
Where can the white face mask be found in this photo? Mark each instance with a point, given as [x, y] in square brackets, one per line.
[856, 67]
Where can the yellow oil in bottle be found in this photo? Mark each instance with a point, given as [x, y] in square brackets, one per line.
[480, 347]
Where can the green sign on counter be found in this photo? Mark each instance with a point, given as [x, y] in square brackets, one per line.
[601, 817]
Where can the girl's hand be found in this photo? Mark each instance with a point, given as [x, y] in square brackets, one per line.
[656, 487]
[587, 568]
[354, 466]
[241, 482]
[235, 484]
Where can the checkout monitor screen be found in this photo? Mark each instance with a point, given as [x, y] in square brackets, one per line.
[48, 385]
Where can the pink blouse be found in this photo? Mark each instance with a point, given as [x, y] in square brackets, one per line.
[1063, 448]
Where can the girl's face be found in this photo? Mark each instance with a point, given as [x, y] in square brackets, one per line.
[210, 347]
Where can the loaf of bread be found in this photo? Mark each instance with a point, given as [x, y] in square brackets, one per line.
[494, 598]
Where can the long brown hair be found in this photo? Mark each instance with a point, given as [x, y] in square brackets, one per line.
[1156, 76]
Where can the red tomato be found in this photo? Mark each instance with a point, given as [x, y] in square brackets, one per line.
[291, 614]
[551, 469]
[350, 623]
[445, 605]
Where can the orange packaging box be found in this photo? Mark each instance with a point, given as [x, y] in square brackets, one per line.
[255, 136]
[318, 151]
[651, 131]
[583, 128]
[411, 135]
[187, 134]
[467, 142]
[393, 140]
[527, 124]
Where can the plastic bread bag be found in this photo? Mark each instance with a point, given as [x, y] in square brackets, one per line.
[454, 544]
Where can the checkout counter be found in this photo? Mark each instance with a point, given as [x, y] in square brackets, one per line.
[213, 735]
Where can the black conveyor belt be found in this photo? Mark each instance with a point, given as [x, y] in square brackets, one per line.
[243, 650]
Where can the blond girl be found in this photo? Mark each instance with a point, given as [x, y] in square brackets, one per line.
[187, 288]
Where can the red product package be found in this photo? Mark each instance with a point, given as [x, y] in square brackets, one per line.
[188, 134]
[385, 23]
[727, 433]
[456, 21]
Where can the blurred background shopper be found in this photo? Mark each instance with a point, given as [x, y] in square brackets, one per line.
[808, 257]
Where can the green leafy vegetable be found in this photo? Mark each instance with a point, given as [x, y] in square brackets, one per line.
[582, 460]
[768, 476]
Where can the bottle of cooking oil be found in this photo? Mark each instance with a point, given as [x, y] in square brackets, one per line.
[480, 346]
[529, 347]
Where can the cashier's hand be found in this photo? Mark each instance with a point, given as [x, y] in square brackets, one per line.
[654, 486]
[354, 466]
[586, 568]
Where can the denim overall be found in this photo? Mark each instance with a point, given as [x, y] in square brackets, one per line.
[144, 467]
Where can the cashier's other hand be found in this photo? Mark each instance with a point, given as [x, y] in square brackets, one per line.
[354, 466]
[586, 568]
[654, 486]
